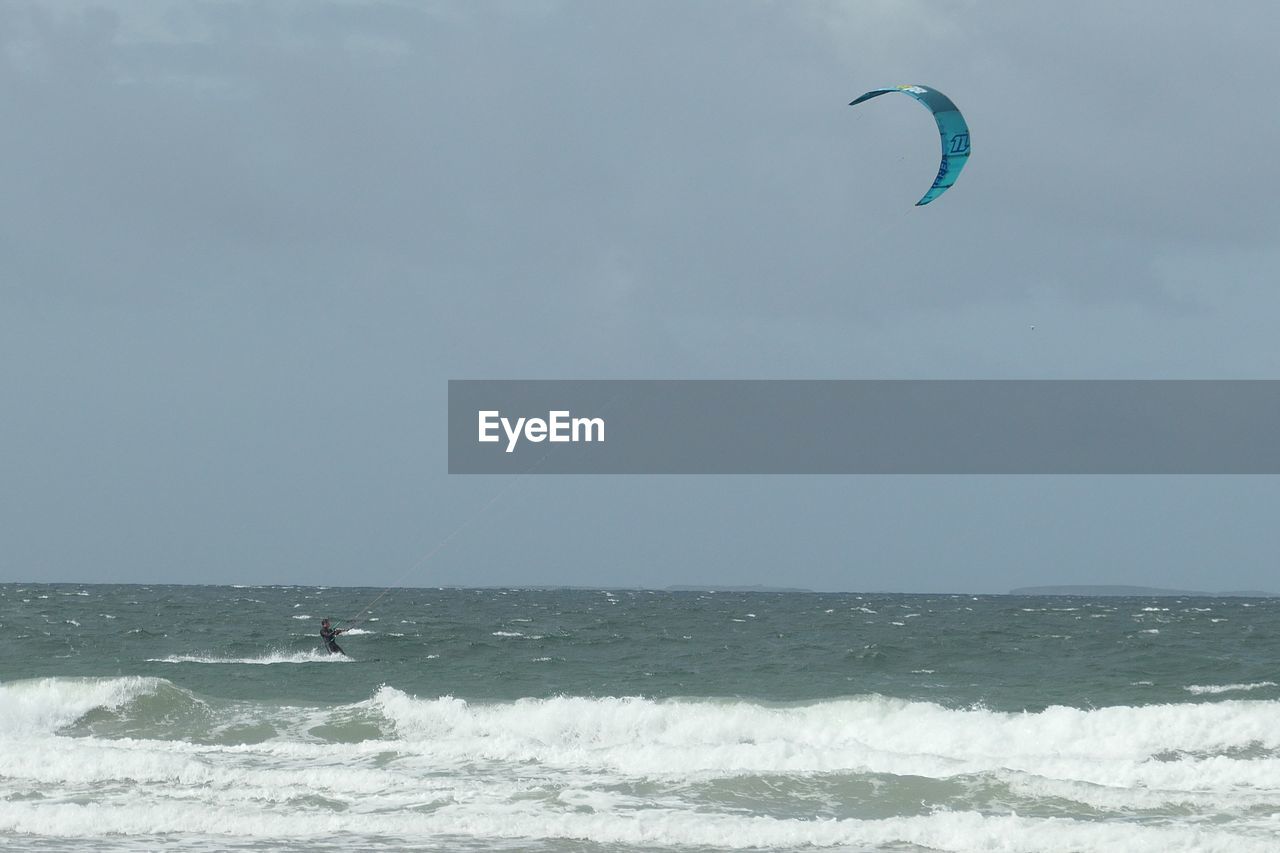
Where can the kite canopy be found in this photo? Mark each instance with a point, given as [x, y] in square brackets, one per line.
[952, 127]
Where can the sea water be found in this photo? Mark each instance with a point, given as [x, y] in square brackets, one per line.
[211, 718]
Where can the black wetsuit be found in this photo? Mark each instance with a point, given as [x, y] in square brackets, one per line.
[327, 634]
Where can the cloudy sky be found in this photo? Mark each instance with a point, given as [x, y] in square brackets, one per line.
[243, 246]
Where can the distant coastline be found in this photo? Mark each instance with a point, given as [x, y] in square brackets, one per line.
[1084, 590]
[1120, 590]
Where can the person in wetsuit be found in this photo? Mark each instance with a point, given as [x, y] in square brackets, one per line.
[327, 634]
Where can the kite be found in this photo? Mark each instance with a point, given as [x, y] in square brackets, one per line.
[952, 127]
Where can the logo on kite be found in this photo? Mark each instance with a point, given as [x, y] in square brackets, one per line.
[951, 126]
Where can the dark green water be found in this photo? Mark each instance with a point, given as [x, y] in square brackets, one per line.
[1006, 653]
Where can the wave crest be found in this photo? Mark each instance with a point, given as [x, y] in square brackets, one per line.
[45, 705]
[1119, 745]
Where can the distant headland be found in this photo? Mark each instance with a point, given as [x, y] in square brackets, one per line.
[1118, 590]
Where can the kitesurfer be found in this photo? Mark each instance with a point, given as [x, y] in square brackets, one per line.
[327, 634]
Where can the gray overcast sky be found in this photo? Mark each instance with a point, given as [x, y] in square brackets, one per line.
[244, 245]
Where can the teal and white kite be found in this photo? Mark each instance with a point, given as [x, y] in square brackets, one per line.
[955, 134]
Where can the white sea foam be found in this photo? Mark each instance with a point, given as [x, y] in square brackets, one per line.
[312, 656]
[1200, 689]
[650, 827]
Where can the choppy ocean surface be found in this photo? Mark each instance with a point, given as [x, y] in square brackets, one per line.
[209, 718]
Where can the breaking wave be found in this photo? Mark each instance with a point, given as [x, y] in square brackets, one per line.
[135, 756]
